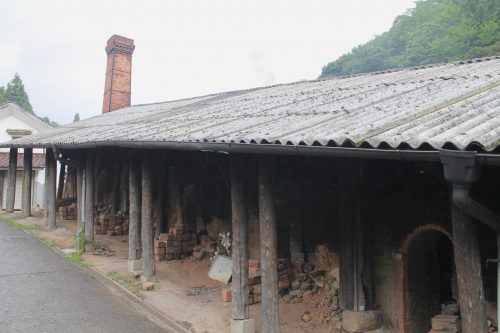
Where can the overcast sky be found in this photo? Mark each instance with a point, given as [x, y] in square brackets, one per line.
[184, 48]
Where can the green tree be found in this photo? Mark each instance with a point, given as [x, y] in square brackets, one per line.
[15, 93]
[76, 117]
[434, 31]
[2, 95]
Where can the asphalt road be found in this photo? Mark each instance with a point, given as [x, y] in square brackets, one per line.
[42, 292]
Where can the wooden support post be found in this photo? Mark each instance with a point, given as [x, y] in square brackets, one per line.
[115, 195]
[468, 265]
[46, 189]
[239, 283]
[89, 194]
[124, 182]
[11, 182]
[134, 229]
[80, 226]
[296, 230]
[174, 210]
[60, 183]
[148, 262]
[51, 188]
[268, 247]
[27, 180]
[158, 206]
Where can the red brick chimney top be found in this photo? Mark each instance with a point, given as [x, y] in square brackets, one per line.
[120, 44]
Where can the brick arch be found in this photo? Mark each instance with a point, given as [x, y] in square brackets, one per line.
[402, 287]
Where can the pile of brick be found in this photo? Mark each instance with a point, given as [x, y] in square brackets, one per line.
[255, 279]
[111, 225]
[175, 245]
[69, 212]
[206, 248]
[446, 324]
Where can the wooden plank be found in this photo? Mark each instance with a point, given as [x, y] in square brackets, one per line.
[11, 180]
[27, 181]
[174, 211]
[148, 262]
[239, 284]
[268, 247]
[134, 237]
[89, 194]
[468, 265]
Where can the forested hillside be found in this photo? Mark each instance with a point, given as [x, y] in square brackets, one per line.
[435, 31]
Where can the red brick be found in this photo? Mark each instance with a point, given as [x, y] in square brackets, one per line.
[226, 295]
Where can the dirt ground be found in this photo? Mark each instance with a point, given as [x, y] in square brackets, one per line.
[185, 292]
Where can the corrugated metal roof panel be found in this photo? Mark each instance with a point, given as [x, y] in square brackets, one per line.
[437, 105]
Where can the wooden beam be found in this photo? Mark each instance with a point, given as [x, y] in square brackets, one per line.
[51, 188]
[11, 180]
[134, 234]
[268, 247]
[468, 266]
[89, 194]
[80, 226]
[148, 262]
[60, 183]
[27, 180]
[239, 247]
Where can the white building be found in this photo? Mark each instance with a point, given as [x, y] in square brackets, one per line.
[16, 123]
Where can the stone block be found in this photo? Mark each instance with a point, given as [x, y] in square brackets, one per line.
[361, 321]
[242, 326]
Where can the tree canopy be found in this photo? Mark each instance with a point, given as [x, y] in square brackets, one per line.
[15, 93]
[435, 31]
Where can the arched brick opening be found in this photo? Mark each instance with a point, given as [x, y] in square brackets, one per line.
[417, 259]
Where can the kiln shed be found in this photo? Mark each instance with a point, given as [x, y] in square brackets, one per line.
[395, 172]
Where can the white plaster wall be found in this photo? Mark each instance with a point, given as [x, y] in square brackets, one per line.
[11, 122]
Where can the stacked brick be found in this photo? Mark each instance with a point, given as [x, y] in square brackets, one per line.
[255, 280]
[175, 245]
[111, 225]
[446, 324]
[69, 212]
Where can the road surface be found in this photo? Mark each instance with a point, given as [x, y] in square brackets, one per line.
[42, 292]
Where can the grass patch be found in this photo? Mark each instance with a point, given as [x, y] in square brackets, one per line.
[46, 241]
[76, 258]
[127, 281]
[16, 225]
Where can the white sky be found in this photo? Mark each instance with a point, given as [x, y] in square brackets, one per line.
[184, 48]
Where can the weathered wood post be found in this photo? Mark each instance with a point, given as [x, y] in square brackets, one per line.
[124, 183]
[148, 262]
[46, 189]
[27, 178]
[60, 183]
[174, 205]
[89, 194]
[51, 169]
[296, 229]
[268, 247]
[134, 229]
[347, 257]
[469, 277]
[240, 313]
[80, 226]
[11, 180]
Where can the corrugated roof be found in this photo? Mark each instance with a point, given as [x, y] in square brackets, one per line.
[439, 105]
[38, 161]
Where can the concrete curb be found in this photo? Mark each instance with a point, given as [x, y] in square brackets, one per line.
[125, 295]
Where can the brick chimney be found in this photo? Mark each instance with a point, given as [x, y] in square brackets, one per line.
[117, 87]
